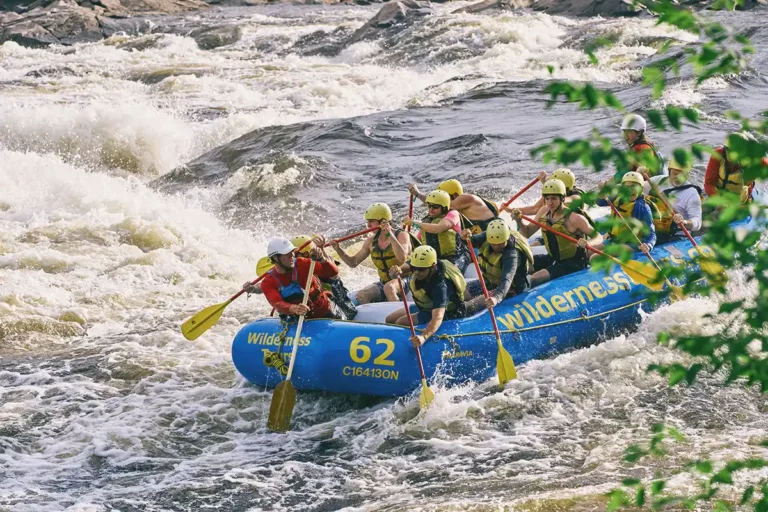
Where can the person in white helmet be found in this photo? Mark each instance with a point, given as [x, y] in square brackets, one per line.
[633, 131]
[284, 285]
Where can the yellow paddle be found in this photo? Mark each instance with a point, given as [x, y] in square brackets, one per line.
[284, 397]
[505, 365]
[207, 318]
[426, 396]
[264, 265]
[640, 272]
[675, 289]
[710, 267]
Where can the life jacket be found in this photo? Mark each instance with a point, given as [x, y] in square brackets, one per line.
[447, 244]
[491, 262]
[619, 229]
[663, 223]
[479, 226]
[384, 259]
[659, 157]
[559, 248]
[731, 178]
[293, 293]
[445, 270]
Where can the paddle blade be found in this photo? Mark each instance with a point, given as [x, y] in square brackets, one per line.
[505, 366]
[201, 322]
[644, 274]
[281, 408]
[264, 265]
[426, 396]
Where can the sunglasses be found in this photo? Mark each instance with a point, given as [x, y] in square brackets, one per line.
[433, 206]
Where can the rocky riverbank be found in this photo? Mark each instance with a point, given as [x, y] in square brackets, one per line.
[39, 23]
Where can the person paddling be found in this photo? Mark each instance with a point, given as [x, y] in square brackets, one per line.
[437, 287]
[725, 173]
[387, 247]
[633, 218]
[503, 257]
[476, 211]
[441, 229]
[283, 286]
[563, 257]
[683, 196]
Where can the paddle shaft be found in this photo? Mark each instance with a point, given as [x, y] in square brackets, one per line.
[629, 228]
[301, 320]
[485, 289]
[410, 323]
[410, 211]
[519, 193]
[338, 240]
[661, 195]
[569, 238]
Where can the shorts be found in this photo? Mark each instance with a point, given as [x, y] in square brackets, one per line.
[559, 268]
[381, 297]
[423, 317]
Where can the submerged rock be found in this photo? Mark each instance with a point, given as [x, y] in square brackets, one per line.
[395, 15]
[208, 38]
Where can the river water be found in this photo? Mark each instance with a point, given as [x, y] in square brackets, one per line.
[142, 178]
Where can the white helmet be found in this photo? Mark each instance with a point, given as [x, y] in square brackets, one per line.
[279, 246]
[633, 122]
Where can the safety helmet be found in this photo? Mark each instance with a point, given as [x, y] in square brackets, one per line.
[300, 240]
[633, 122]
[440, 197]
[742, 135]
[423, 257]
[279, 246]
[553, 187]
[497, 232]
[674, 164]
[452, 187]
[633, 177]
[566, 176]
[264, 265]
[378, 211]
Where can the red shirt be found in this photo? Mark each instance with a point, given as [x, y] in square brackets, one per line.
[318, 303]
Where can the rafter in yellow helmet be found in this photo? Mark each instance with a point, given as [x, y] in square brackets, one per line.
[452, 187]
[439, 197]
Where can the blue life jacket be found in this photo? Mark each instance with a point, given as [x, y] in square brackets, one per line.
[292, 292]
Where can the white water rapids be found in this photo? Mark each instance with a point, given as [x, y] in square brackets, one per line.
[105, 406]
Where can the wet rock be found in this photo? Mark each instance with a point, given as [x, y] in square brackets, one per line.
[394, 15]
[208, 38]
[127, 26]
[494, 4]
[51, 71]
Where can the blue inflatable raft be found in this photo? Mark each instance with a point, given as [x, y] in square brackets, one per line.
[369, 357]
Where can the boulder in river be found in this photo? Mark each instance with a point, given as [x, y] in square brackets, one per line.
[394, 15]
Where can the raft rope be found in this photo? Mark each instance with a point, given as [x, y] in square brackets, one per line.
[516, 332]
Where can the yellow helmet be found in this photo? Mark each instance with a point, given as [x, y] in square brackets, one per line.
[497, 232]
[264, 265]
[674, 164]
[423, 257]
[439, 197]
[378, 211]
[553, 187]
[566, 176]
[301, 240]
[452, 187]
[633, 177]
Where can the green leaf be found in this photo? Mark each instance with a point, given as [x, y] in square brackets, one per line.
[729, 307]
[723, 477]
[640, 497]
[748, 493]
[616, 500]
[704, 467]
[654, 116]
[630, 482]
[674, 115]
[676, 374]
[721, 506]
[657, 486]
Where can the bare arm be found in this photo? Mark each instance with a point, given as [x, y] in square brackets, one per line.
[359, 257]
[444, 225]
[401, 246]
[579, 224]
[534, 208]
[434, 324]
